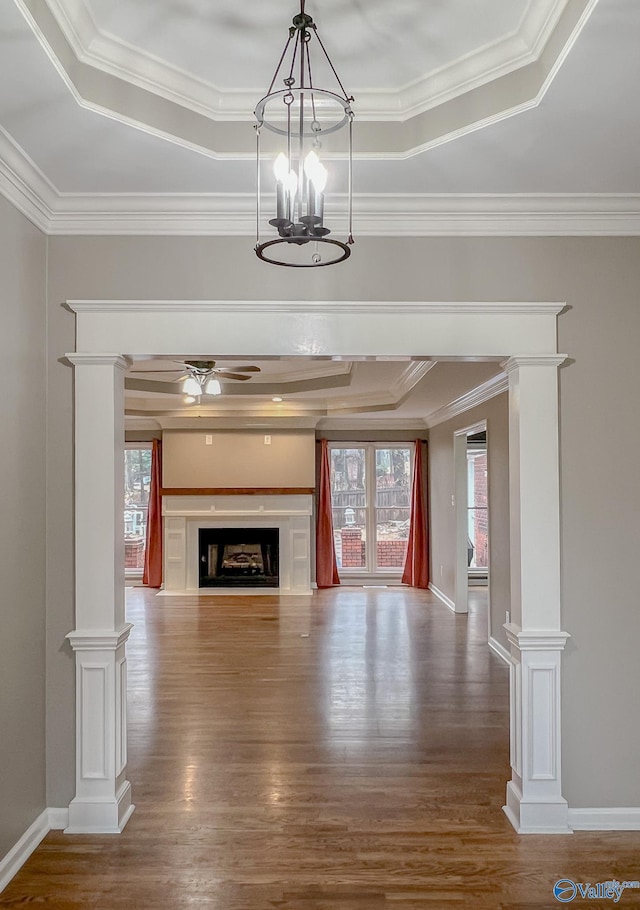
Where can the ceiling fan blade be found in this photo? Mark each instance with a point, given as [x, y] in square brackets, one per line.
[224, 375]
[248, 369]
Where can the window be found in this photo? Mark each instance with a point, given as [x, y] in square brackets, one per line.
[137, 480]
[370, 496]
[477, 508]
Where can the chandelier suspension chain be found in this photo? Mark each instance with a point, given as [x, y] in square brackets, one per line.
[344, 91]
[284, 54]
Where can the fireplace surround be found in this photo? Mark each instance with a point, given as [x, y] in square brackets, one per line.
[186, 517]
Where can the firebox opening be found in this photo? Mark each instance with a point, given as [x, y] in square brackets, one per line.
[238, 557]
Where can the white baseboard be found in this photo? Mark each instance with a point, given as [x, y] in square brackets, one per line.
[443, 597]
[500, 650]
[605, 819]
[58, 819]
[20, 853]
[49, 820]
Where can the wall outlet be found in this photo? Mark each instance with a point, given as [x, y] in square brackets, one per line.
[208, 440]
[453, 500]
[508, 615]
[267, 440]
[441, 570]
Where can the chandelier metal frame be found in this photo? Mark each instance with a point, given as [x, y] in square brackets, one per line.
[301, 108]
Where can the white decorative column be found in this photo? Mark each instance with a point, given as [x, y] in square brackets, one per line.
[102, 803]
[534, 794]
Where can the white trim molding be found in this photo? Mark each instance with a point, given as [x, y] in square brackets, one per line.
[500, 650]
[525, 333]
[11, 864]
[442, 597]
[493, 387]
[102, 804]
[106, 74]
[110, 54]
[617, 819]
[185, 516]
[48, 820]
[378, 214]
[534, 794]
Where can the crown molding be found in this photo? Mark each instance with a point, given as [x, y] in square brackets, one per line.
[116, 57]
[239, 422]
[383, 399]
[376, 215]
[329, 424]
[24, 184]
[483, 393]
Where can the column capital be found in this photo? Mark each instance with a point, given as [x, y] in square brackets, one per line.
[99, 360]
[536, 640]
[532, 360]
[100, 639]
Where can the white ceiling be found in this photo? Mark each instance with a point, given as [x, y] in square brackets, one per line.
[472, 117]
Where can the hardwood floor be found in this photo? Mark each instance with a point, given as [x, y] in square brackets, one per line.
[343, 752]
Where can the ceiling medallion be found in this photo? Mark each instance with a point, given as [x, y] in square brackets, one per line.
[296, 125]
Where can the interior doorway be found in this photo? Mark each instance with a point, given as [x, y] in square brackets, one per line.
[471, 508]
[441, 331]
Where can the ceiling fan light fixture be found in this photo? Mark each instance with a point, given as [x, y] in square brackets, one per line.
[190, 399]
[296, 123]
[213, 387]
[191, 386]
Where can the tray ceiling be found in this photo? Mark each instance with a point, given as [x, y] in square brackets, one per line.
[490, 117]
[400, 393]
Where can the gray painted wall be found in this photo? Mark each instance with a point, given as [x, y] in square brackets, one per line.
[442, 514]
[600, 280]
[22, 525]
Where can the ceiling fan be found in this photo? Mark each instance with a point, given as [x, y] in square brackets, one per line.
[200, 377]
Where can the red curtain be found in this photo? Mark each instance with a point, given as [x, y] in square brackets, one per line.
[326, 564]
[152, 575]
[416, 567]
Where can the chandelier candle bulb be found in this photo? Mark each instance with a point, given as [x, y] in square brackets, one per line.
[281, 171]
[291, 190]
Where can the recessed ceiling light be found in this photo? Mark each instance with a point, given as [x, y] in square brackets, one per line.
[276, 398]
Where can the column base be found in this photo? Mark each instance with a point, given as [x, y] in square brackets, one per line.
[101, 816]
[536, 817]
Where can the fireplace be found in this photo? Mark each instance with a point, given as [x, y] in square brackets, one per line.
[238, 557]
[288, 516]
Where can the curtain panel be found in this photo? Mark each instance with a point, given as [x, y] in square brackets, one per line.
[416, 567]
[152, 575]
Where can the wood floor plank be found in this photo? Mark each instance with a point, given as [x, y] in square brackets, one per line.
[347, 751]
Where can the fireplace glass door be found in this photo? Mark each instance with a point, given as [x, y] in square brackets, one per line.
[238, 557]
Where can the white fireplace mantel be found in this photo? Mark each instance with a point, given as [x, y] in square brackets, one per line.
[185, 515]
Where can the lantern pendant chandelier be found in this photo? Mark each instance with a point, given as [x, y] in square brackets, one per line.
[301, 122]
